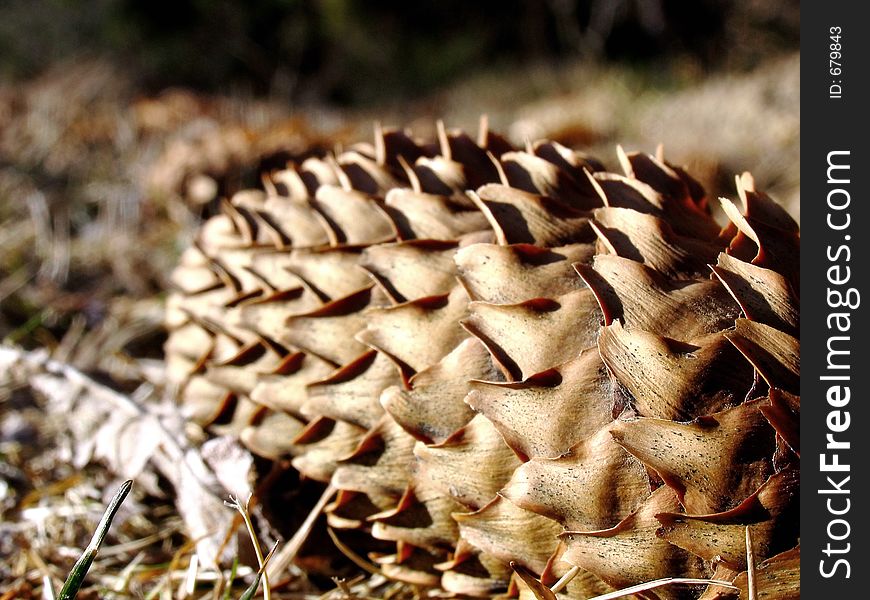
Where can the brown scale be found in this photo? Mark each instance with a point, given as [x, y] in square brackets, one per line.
[524, 413]
[707, 317]
[515, 218]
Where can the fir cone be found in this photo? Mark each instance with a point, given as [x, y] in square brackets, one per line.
[509, 363]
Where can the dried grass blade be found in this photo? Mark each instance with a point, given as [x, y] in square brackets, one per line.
[291, 548]
[47, 591]
[565, 580]
[750, 567]
[662, 582]
[353, 556]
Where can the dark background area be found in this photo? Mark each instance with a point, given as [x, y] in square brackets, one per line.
[351, 53]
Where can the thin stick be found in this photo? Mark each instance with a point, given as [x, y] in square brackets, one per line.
[77, 576]
[750, 567]
[565, 580]
[353, 556]
[659, 583]
[283, 558]
[243, 510]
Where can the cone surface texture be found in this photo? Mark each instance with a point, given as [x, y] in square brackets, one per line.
[510, 363]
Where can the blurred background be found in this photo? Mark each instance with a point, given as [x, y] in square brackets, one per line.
[348, 53]
[123, 122]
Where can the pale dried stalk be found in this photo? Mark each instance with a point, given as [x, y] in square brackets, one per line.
[750, 567]
[291, 548]
[243, 510]
[642, 587]
[565, 580]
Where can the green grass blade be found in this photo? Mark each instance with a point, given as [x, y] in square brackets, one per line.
[252, 589]
[74, 581]
[232, 578]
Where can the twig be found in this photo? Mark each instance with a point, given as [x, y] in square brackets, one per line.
[661, 582]
[565, 579]
[750, 567]
[353, 556]
[243, 510]
[291, 548]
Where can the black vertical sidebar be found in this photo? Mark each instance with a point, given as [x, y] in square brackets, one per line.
[835, 299]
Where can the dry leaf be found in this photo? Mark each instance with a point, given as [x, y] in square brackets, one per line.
[132, 435]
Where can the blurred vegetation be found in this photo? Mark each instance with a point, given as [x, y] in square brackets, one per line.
[122, 122]
[353, 52]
